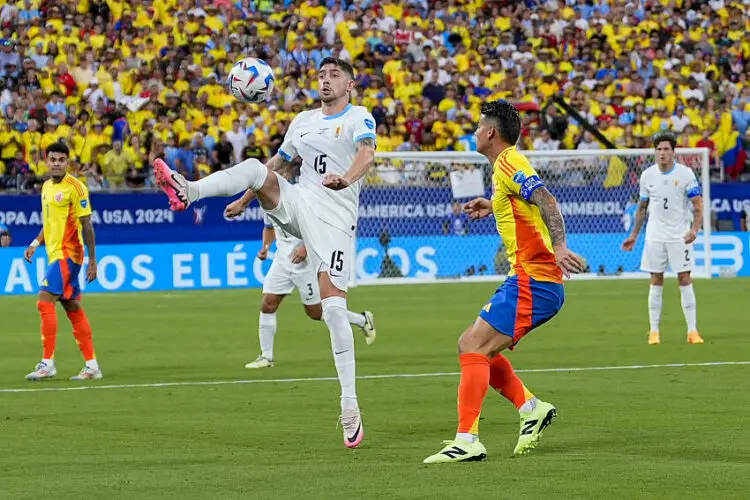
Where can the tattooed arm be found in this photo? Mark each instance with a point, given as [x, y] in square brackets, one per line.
[276, 164]
[363, 160]
[281, 165]
[568, 261]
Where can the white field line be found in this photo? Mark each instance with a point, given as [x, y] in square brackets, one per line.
[363, 377]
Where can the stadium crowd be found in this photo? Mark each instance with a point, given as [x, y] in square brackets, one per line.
[125, 82]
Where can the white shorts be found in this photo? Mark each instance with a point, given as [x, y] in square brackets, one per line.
[328, 247]
[281, 280]
[659, 255]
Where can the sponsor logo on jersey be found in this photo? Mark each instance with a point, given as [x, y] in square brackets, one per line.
[369, 124]
[84, 203]
[519, 177]
[58, 197]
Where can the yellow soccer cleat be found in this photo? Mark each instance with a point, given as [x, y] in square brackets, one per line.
[653, 338]
[533, 424]
[694, 338]
[458, 450]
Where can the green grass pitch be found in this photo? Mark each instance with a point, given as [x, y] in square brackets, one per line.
[668, 432]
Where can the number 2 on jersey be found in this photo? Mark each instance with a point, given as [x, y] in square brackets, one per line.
[666, 201]
[320, 164]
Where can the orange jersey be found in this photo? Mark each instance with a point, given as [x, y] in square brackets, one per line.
[519, 222]
[63, 203]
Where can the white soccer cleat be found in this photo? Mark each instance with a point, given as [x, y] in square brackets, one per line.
[260, 362]
[42, 371]
[351, 421]
[88, 373]
[369, 328]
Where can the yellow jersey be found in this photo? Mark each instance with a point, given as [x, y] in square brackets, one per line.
[63, 204]
[519, 222]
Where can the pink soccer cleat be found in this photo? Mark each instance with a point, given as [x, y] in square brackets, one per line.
[173, 184]
[351, 421]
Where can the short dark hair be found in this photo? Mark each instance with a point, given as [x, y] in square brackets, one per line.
[506, 117]
[58, 147]
[342, 65]
[665, 137]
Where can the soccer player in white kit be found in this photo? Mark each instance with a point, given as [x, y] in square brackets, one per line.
[290, 269]
[337, 145]
[671, 194]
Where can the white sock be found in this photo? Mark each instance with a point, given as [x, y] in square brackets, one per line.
[266, 331]
[49, 362]
[654, 307]
[529, 405]
[689, 307]
[466, 436]
[93, 364]
[356, 319]
[342, 345]
[250, 174]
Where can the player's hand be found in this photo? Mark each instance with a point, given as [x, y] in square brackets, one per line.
[262, 253]
[335, 182]
[478, 208]
[29, 253]
[91, 273]
[569, 262]
[690, 236]
[299, 254]
[237, 207]
[628, 244]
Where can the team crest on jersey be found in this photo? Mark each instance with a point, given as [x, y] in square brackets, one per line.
[58, 197]
[337, 133]
[519, 177]
[676, 183]
[84, 203]
[369, 124]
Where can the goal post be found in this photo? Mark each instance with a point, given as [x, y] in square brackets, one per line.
[411, 228]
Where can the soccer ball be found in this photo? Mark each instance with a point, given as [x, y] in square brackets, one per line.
[251, 80]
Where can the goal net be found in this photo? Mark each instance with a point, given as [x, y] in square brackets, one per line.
[411, 227]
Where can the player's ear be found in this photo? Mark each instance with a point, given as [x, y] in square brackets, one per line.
[350, 85]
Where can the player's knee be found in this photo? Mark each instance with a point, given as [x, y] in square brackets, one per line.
[332, 306]
[657, 279]
[314, 312]
[684, 279]
[47, 297]
[71, 305]
[270, 303]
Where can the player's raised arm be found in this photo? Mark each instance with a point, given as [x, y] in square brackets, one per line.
[87, 229]
[568, 261]
[362, 162]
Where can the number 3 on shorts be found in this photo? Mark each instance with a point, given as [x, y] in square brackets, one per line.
[337, 260]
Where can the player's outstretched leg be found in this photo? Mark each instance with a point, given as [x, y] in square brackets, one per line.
[84, 338]
[366, 322]
[689, 308]
[250, 174]
[46, 368]
[536, 415]
[475, 347]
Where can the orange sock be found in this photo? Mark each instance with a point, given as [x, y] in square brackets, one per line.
[505, 381]
[475, 378]
[82, 333]
[49, 328]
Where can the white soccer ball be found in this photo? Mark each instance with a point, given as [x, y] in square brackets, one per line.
[251, 80]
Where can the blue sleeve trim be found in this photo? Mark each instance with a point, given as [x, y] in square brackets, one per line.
[268, 226]
[694, 192]
[530, 185]
[644, 198]
[284, 155]
[368, 135]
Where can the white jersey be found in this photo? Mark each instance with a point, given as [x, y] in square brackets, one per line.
[668, 194]
[326, 145]
[285, 245]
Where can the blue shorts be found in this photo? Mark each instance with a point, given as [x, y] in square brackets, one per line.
[62, 279]
[522, 304]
